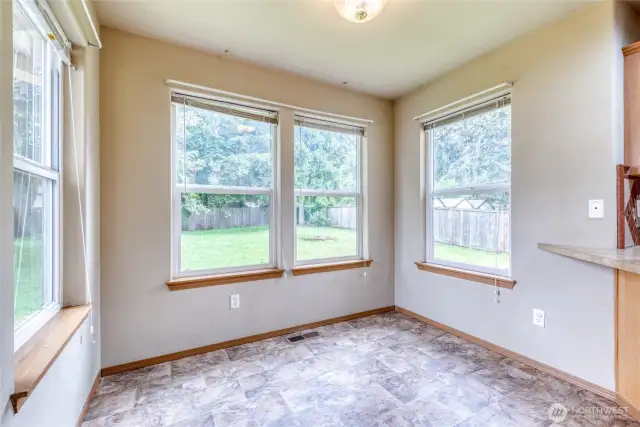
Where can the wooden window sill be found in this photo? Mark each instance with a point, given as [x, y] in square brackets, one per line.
[332, 266]
[32, 361]
[223, 279]
[487, 279]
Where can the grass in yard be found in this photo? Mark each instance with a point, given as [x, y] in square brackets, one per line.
[325, 242]
[226, 247]
[478, 257]
[234, 247]
[28, 278]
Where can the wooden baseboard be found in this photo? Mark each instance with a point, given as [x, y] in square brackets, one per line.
[632, 410]
[232, 343]
[594, 388]
[92, 392]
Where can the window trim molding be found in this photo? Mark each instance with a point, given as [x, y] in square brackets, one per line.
[201, 281]
[176, 214]
[497, 92]
[301, 270]
[474, 276]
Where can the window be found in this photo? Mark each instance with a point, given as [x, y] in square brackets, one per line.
[36, 140]
[327, 191]
[469, 187]
[223, 192]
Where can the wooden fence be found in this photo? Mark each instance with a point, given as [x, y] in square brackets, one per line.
[226, 218]
[486, 230]
[343, 217]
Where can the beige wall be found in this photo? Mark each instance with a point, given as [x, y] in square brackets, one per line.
[140, 317]
[565, 144]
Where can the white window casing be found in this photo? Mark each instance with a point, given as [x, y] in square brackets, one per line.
[442, 117]
[238, 110]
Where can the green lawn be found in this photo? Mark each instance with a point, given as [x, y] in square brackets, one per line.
[28, 278]
[464, 255]
[234, 247]
[326, 242]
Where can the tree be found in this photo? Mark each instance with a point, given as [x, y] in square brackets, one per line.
[221, 149]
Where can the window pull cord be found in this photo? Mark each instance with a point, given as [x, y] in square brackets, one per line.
[496, 291]
[84, 239]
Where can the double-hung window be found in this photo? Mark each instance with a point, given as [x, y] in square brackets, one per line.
[469, 186]
[328, 191]
[36, 177]
[223, 187]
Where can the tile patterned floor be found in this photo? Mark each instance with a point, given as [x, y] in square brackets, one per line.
[386, 370]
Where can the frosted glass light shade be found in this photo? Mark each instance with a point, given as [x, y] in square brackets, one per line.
[359, 10]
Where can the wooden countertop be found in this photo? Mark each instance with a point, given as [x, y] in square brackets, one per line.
[623, 259]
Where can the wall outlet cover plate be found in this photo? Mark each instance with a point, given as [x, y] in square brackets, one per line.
[538, 317]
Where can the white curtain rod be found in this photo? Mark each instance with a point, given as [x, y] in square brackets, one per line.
[478, 96]
[176, 84]
[92, 24]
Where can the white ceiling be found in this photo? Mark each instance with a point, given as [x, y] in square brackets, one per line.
[410, 43]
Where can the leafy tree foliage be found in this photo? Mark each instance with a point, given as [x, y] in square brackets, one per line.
[222, 149]
[473, 151]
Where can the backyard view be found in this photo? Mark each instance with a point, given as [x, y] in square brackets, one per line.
[32, 192]
[243, 246]
[232, 247]
[219, 152]
[28, 278]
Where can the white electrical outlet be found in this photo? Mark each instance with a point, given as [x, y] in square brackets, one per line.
[538, 317]
[596, 209]
[234, 301]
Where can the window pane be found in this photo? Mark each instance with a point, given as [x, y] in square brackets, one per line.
[326, 227]
[220, 231]
[32, 206]
[222, 149]
[29, 70]
[326, 160]
[473, 151]
[472, 229]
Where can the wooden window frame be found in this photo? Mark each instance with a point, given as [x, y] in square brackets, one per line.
[474, 276]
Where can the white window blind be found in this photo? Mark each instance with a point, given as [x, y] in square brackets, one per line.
[226, 108]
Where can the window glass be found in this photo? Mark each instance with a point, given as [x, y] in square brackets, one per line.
[222, 230]
[473, 151]
[222, 149]
[326, 227]
[32, 245]
[224, 179]
[472, 229]
[326, 160]
[36, 127]
[327, 192]
[470, 196]
[29, 70]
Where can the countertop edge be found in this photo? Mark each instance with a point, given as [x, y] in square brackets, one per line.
[592, 256]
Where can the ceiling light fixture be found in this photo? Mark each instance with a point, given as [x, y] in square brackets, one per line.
[359, 10]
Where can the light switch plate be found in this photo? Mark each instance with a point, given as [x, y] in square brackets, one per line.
[596, 209]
